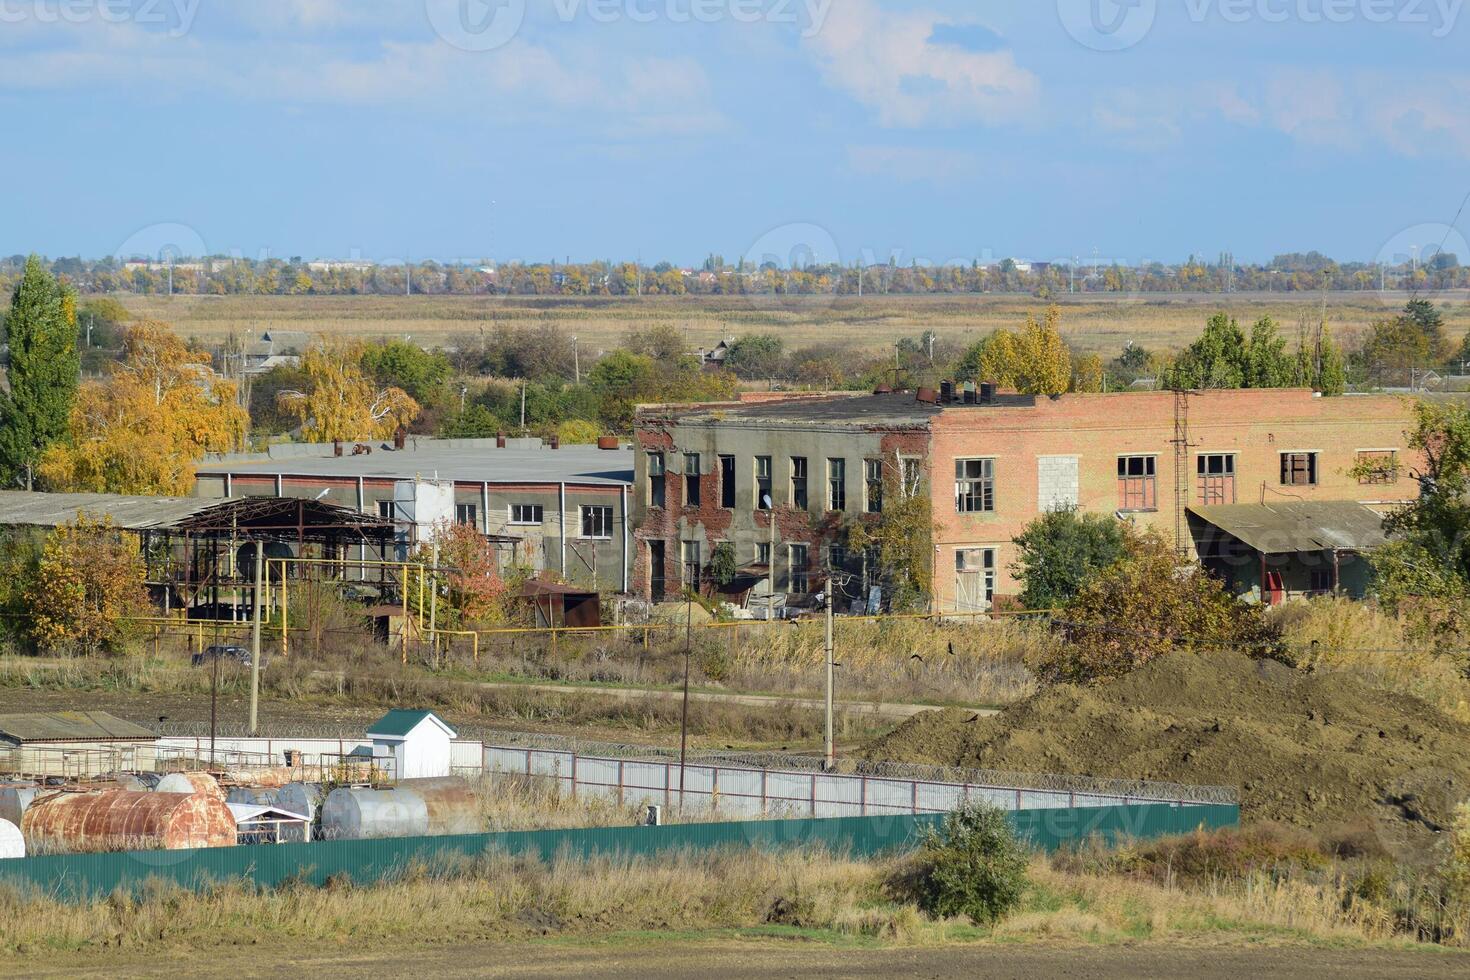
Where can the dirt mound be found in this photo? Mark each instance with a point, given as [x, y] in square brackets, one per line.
[1324, 751]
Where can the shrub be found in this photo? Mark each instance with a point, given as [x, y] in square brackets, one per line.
[974, 866]
[1143, 606]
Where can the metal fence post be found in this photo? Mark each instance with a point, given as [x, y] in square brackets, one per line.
[620, 782]
[574, 774]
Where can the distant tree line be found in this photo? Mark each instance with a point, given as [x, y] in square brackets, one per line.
[222, 275]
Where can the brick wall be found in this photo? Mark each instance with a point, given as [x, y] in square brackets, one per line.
[1035, 449]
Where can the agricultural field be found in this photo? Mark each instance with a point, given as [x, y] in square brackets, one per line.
[1100, 324]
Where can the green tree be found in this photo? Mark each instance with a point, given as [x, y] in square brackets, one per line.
[1269, 366]
[1427, 561]
[44, 373]
[1061, 550]
[1143, 606]
[399, 364]
[1218, 359]
[756, 356]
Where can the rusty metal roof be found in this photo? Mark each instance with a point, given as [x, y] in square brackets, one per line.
[1292, 526]
[71, 726]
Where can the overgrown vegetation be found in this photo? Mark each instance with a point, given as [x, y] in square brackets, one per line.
[972, 866]
[1146, 604]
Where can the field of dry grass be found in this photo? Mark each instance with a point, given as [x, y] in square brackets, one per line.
[1091, 323]
[806, 894]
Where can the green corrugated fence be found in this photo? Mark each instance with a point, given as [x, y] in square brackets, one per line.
[74, 876]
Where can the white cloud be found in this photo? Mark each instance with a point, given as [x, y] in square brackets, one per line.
[889, 62]
[614, 92]
[1352, 111]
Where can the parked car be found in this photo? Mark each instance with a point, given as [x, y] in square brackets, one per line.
[240, 655]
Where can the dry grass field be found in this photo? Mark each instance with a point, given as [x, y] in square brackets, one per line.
[1092, 323]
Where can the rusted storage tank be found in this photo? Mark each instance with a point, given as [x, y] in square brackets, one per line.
[12, 843]
[452, 805]
[191, 782]
[359, 814]
[118, 820]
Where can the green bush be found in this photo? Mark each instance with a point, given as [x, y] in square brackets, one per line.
[974, 866]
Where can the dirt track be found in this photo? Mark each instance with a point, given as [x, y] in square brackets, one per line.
[677, 958]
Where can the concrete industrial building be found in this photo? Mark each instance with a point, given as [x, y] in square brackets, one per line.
[1214, 468]
[561, 510]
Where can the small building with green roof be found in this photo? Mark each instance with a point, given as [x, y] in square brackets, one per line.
[412, 744]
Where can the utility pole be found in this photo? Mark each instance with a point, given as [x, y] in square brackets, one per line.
[831, 755]
[684, 712]
[255, 635]
[523, 406]
[576, 361]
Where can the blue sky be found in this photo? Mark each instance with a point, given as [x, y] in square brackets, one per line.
[935, 131]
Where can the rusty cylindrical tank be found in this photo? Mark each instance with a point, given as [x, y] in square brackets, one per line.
[452, 804]
[119, 820]
[191, 782]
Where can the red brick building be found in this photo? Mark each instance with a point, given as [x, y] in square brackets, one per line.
[1259, 484]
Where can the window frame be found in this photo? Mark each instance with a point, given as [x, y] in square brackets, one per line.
[585, 511]
[764, 486]
[800, 485]
[658, 478]
[1211, 488]
[795, 573]
[836, 484]
[872, 501]
[974, 494]
[473, 511]
[1138, 492]
[538, 509]
[1289, 470]
[692, 493]
[989, 570]
[687, 578]
[1384, 479]
[727, 481]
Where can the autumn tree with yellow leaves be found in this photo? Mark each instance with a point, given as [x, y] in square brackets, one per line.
[145, 427]
[1034, 360]
[88, 586]
[340, 402]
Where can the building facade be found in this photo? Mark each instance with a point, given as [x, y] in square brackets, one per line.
[560, 510]
[990, 465]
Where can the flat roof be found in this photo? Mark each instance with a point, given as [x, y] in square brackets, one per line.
[448, 460]
[1296, 526]
[19, 508]
[71, 726]
[898, 409]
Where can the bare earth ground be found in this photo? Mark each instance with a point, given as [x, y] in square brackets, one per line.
[676, 957]
[1100, 323]
[189, 714]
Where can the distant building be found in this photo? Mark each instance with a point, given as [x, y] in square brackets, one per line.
[412, 744]
[79, 744]
[782, 478]
[559, 510]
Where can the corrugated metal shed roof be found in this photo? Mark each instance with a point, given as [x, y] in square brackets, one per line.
[21, 509]
[1289, 527]
[71, 726]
